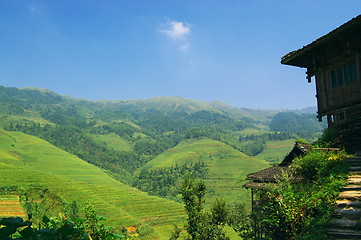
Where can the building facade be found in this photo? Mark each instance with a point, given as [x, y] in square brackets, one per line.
[334, 61]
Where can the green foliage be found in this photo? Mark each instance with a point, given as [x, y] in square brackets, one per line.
[175, 233]
[92, 224]
[303, 125]
[58, 228]
[268, 136]
[164, 181]
[10, 226]
[253, 148]
[200, 223]
[254, 144]
[302, 202]
[239, 220]
[121, 129]
[330, 138]
[319, 164]
[301, 140]
[40, 202]
[149, 147]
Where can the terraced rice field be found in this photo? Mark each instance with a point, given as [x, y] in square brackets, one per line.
[227, 166]
[29, 161]
[10, 207]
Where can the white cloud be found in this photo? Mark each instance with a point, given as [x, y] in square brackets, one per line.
[184, 47]
[177, 30]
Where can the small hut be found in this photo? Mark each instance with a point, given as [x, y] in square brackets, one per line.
[269, 176]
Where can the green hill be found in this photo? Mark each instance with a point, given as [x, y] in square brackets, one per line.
[276, 150]
[125, 138]
[28, 161]
[226, 166]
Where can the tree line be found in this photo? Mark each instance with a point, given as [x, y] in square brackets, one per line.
[164, 181]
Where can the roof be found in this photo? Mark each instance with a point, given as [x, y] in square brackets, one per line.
[258, 185]
[299, 149]
[299, 58]
[268, 174]
[263, 178]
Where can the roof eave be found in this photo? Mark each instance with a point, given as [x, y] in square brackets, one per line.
[292, 58]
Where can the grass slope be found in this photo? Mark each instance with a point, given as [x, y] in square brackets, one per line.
[23, 119]
[276, 150]
[29, 161]
[227, 166]
[113, 141]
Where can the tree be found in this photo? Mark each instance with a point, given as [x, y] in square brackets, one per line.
[202, 224]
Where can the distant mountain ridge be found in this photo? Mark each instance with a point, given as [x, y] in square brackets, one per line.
[164, 104]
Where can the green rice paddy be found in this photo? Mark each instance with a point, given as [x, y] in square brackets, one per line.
[28, 161]
[227, 167]
[10, 206]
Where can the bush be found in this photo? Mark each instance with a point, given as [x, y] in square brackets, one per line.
[58, 228]
[303, 200]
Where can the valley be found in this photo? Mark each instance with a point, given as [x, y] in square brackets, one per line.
[127, 158]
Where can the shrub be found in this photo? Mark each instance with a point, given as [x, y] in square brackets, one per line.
[303, 207]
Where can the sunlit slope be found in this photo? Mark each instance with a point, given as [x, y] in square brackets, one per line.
[227, 166]
[113, 141]
[29, 161]
[276, 150]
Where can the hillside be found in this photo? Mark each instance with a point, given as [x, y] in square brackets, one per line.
[149, 144]
[226, 166]
[30, 162]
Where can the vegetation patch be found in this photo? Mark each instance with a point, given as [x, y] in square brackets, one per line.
[300, 209]
[275, 151]
[225, 166]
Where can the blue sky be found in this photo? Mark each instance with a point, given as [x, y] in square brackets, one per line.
[224, 50]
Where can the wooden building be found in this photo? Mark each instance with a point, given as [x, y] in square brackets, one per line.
[335, 62]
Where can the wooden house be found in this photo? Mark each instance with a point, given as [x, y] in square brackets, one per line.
[335, 62]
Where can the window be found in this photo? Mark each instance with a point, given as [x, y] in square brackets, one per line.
[350, 72]
[344, 74]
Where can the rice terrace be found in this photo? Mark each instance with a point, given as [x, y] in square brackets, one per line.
[36, 163]
[10, 206]
[134, 167]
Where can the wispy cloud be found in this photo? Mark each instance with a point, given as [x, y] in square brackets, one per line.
[184, 47]
[177, 30]
[31, 9]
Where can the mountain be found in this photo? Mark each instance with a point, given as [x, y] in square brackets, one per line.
[149, 144]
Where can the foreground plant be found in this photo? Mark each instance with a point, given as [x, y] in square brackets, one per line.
[300, 209]
[59, 228]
